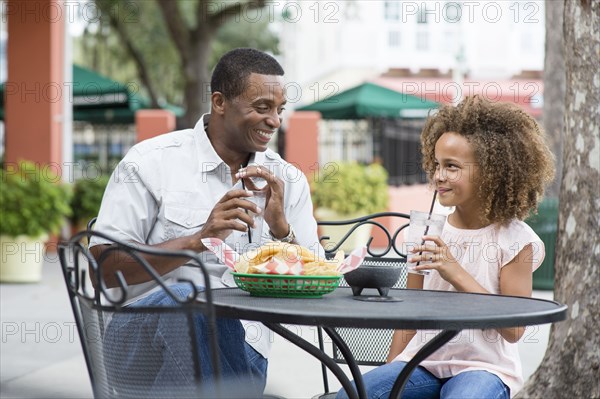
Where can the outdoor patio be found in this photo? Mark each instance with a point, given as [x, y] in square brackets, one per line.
[42, 357]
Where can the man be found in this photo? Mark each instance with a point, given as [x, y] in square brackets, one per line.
[172, 191]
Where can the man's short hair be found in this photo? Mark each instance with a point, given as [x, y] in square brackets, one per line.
[231, 73]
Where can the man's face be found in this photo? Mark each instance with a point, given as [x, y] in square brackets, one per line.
[252, 118]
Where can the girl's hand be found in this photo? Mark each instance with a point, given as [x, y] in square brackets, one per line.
[441, 260]
[515, 277]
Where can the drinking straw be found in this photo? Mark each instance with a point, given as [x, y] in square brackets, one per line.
[249, 230]
[428, 218]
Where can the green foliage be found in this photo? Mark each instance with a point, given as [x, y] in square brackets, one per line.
[243, 34]
[545, 225]
[349, 188]
[87, 196]
[101, 49]
[33, 201]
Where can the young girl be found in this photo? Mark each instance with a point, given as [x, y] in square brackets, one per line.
[488, 161]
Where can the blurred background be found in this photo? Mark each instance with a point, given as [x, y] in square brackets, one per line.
[83, 81]
[154, 54]
[361, 76]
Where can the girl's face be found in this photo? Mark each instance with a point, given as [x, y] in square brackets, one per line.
[456, 172]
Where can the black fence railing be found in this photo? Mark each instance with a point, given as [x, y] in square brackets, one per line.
[393, 142]
[400, 150]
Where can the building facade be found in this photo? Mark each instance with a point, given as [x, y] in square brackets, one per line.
[328, 46]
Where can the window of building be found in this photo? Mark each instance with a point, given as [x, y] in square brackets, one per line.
[452, 11]
[423, 41]
[392, 10]
[449, 41]
[527, 42]
[394, 38]
[422, 15]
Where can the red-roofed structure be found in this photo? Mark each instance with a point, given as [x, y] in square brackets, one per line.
[528, 93]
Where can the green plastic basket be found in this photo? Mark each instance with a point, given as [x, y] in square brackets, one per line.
[283, 286]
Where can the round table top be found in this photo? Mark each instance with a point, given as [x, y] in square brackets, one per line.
[418, 309]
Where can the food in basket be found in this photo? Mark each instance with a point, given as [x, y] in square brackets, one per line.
[285, 258]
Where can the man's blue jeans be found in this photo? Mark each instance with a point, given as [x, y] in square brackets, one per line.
[149, 354]
[424, 385]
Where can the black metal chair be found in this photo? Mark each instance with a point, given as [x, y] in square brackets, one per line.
[369, 346]
[95, 308]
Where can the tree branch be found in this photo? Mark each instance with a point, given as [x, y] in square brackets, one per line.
[217, 19]
[176, 26]
[117, 24]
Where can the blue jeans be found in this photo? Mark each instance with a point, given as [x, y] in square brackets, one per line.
[424, 385]
[149, 354]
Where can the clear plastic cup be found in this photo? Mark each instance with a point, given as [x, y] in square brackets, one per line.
[255, 233]
[422, 223]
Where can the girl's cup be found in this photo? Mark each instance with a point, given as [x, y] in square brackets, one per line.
[422, 223]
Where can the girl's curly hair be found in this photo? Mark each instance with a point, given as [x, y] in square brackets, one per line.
[515, 164]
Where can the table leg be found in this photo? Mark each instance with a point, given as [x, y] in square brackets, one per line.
[436, 343]
[323, 368]
[320, 355]
[350, 361]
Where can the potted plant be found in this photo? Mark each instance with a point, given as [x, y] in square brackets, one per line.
[347, 190]
[87, 196]
[33, 204]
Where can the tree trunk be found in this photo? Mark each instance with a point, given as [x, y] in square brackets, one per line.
[113, 16]
[197, 82]
[194, 47]
[554, 87]
[571, 366]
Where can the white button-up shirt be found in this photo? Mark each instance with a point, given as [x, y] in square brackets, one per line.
[166, 187]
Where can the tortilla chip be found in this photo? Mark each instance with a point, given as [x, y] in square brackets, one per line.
[312, 265]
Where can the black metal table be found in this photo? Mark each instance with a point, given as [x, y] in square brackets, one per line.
[450, 312]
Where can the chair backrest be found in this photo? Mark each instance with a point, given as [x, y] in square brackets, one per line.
[369, 347]
[100, 313]
[389, 248]
[91, 223]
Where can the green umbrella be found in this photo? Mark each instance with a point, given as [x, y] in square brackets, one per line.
[98, 99]
[370, 100]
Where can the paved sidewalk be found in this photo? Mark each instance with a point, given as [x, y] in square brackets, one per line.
[40, 353]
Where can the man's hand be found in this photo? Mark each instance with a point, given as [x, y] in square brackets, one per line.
[229, 214]
[274, 213]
